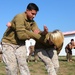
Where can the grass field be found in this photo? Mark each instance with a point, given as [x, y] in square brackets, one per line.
[38, 68]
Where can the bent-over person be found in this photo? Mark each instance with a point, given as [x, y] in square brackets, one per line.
[49, 51]
[68, 50]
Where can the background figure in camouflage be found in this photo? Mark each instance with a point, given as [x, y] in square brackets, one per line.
[30, 47]
[30, 44]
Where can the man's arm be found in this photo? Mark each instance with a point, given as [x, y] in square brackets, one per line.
[73, 46]
[70, 46]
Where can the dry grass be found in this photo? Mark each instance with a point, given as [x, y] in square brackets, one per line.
[38, 68]
[66, 68]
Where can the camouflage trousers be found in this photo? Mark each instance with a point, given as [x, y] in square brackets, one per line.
[14, 57]
[50, 58]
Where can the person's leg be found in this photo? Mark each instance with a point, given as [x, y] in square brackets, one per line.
[53, 55]
[36, 58]
[48, 62]
[29, 58]
[21, 56]
[68, 56]
[66, 50]
[9, 59]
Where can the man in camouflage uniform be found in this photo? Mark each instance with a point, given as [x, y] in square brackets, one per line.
[13, 41]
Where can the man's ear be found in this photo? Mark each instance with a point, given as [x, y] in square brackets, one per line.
[27, 10]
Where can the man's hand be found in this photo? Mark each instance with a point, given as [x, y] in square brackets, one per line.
[43, 32]
[8, 24]
[36, 31]
[45, 29]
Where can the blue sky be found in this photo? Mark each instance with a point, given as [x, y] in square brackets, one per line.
[55, 14]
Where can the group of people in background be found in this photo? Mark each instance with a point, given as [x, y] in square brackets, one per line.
[21, 28]
[68, 50]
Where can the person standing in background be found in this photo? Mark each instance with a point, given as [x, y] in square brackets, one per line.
[68, 50]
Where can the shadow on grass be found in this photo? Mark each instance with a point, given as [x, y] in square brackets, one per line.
[63, 58]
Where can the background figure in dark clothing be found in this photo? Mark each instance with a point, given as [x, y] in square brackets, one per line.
[68, 50]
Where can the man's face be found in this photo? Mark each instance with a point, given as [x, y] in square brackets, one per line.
[31, 14]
